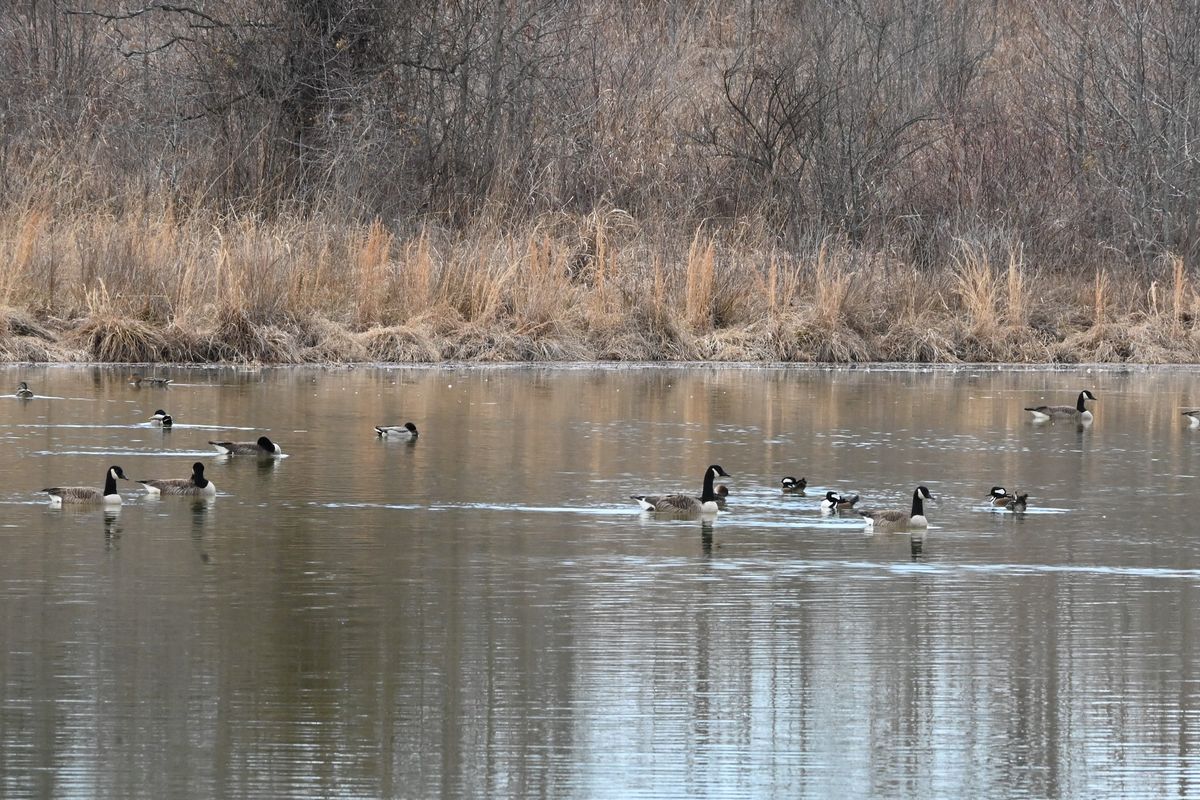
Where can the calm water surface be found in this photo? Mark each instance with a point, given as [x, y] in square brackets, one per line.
[484, 613]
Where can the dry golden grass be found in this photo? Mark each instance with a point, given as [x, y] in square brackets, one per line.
[162, 285]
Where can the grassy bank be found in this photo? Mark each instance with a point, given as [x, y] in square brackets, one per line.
[156, 284]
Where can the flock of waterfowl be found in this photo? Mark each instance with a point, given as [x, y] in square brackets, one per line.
[713, 498]
[196, 485]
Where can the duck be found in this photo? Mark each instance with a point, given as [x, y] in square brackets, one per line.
[407, 431]
[838, 502]
[158, 415]
[999, 497]
[197, 485]
[1078, 412]
[167, 422]
[1193, 416]
[722, 496]
[138, 380]
[895, 520]
[86, 494]
[262, 447]
[686, 504]
[796, 485]
[1018, 502]
[23, 391]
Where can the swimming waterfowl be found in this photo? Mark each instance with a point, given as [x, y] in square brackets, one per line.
[894, 520]
[86, 494]
[999, 496]
[838, 502]
[167, 421]
[685, 504]
[1078, 412]
[1018, 502]
[197, 485]
[791, 484]
[23, 391]
[405, 431]
[1192, 415]
[139, 380]
[158, 415]
[722, 496]
[262, 447]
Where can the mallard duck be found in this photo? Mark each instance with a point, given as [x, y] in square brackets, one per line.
[838, 502]
[406, 431]
[88, 495]
[895, 520]
[262, 447]
[139, 380]
[23, 391]
[796, 485]
[195, 485]
[1078, 412]
[685, 504]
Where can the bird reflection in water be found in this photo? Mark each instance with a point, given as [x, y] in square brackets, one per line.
[706, 537]
[917, 545]
[201, 518]
[112, 526]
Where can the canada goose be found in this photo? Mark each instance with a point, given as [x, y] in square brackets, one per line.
[138, 380]
[262, 447]
[901, 520]
[406, 431]
[791, 484]
[158, 415]
[838, 502]
[167, 422]
[1078, 412]
[86, 494]
[999, 497]
[23, 391]
[195, 485]
[1193, 416]
[685, 504]
[1018, 502]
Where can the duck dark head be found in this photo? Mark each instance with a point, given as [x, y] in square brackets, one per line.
[167, 421]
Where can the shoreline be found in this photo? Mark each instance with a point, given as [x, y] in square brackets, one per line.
[793, 340]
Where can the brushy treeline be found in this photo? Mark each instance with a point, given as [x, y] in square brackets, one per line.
[331, 180]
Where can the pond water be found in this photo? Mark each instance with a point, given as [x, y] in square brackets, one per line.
[485, 613]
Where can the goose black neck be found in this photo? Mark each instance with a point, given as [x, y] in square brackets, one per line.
[198, 478]
[918, 509]
[110, 483]
[1079, 406]
[708, 494]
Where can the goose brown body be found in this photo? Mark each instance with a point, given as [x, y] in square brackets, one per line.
[685, 504]
[896, 520]
[197, 485]
[1078, 412]
[87, 495]
[262, 447]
